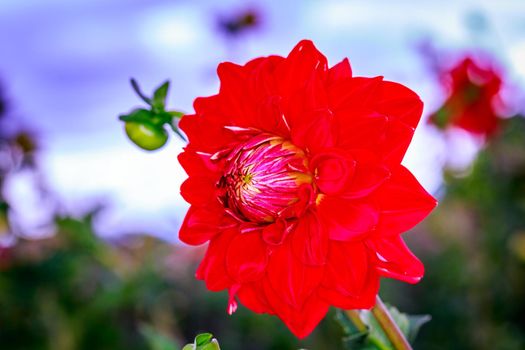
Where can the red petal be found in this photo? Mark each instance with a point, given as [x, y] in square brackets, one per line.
[366, 178]
[253, 297]
[347, 219]
[263, 90]
[224, 108]
[232, 77]
[292, 280]
[354, 93]
[212, 269]
[301, 63]
[333, 170]
[310, 241]
[398, 101]
[299, 106]
[235, 101]
[300, 321]
[395, 142]
[395, 260]
[360, 131]
[315, 133]
[341, 70]
[262, 77]
[365, 300]
[196, 164]
[387, 137]
[201, 224]
[347, 268]
[247, 257]
[402, 202]
[274, 234]
[270, 117]
[315, 97]
[198, 190]
[211, 108]
[205, 135]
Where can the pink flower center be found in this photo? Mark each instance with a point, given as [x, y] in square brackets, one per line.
[266, 178]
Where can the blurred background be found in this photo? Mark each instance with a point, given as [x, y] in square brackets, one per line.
[89, 256]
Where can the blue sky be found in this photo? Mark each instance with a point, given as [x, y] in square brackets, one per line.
[65, 66]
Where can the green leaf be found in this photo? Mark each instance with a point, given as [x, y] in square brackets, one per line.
[409, 325]
[203, 339]
[213, 345]
[357, 342]
[376, 336]
[159, 96]
[138, 91]
[349, 327]
[176, 114]
[400, 319]
[163, 117]
[139, 115]
[355, 339]
[416, 322]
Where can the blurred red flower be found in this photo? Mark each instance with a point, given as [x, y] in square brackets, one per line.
[295, 180]
[473, 96]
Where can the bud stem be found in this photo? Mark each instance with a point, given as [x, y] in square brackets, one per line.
[389, 326]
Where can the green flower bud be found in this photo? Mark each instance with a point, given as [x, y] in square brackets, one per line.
[145, 135]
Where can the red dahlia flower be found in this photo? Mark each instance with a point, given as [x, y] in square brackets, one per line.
[295, 180]
[473, 95]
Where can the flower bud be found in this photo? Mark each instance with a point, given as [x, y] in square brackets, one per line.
[146, 136]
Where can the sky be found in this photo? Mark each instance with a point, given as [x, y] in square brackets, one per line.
[65, 67]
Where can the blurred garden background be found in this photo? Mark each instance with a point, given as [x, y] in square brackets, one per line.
[89, 256]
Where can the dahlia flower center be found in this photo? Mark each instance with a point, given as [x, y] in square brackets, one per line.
[266, 178]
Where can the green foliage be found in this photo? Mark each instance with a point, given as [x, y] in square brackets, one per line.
[474, 253]
[374, 337]
[72, 291]
[158, 103]
[75, 291]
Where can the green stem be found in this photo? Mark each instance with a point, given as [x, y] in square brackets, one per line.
[353, 315]
[389, 326]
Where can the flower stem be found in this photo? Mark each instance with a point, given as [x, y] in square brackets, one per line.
[389, 326]
[353, 315]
